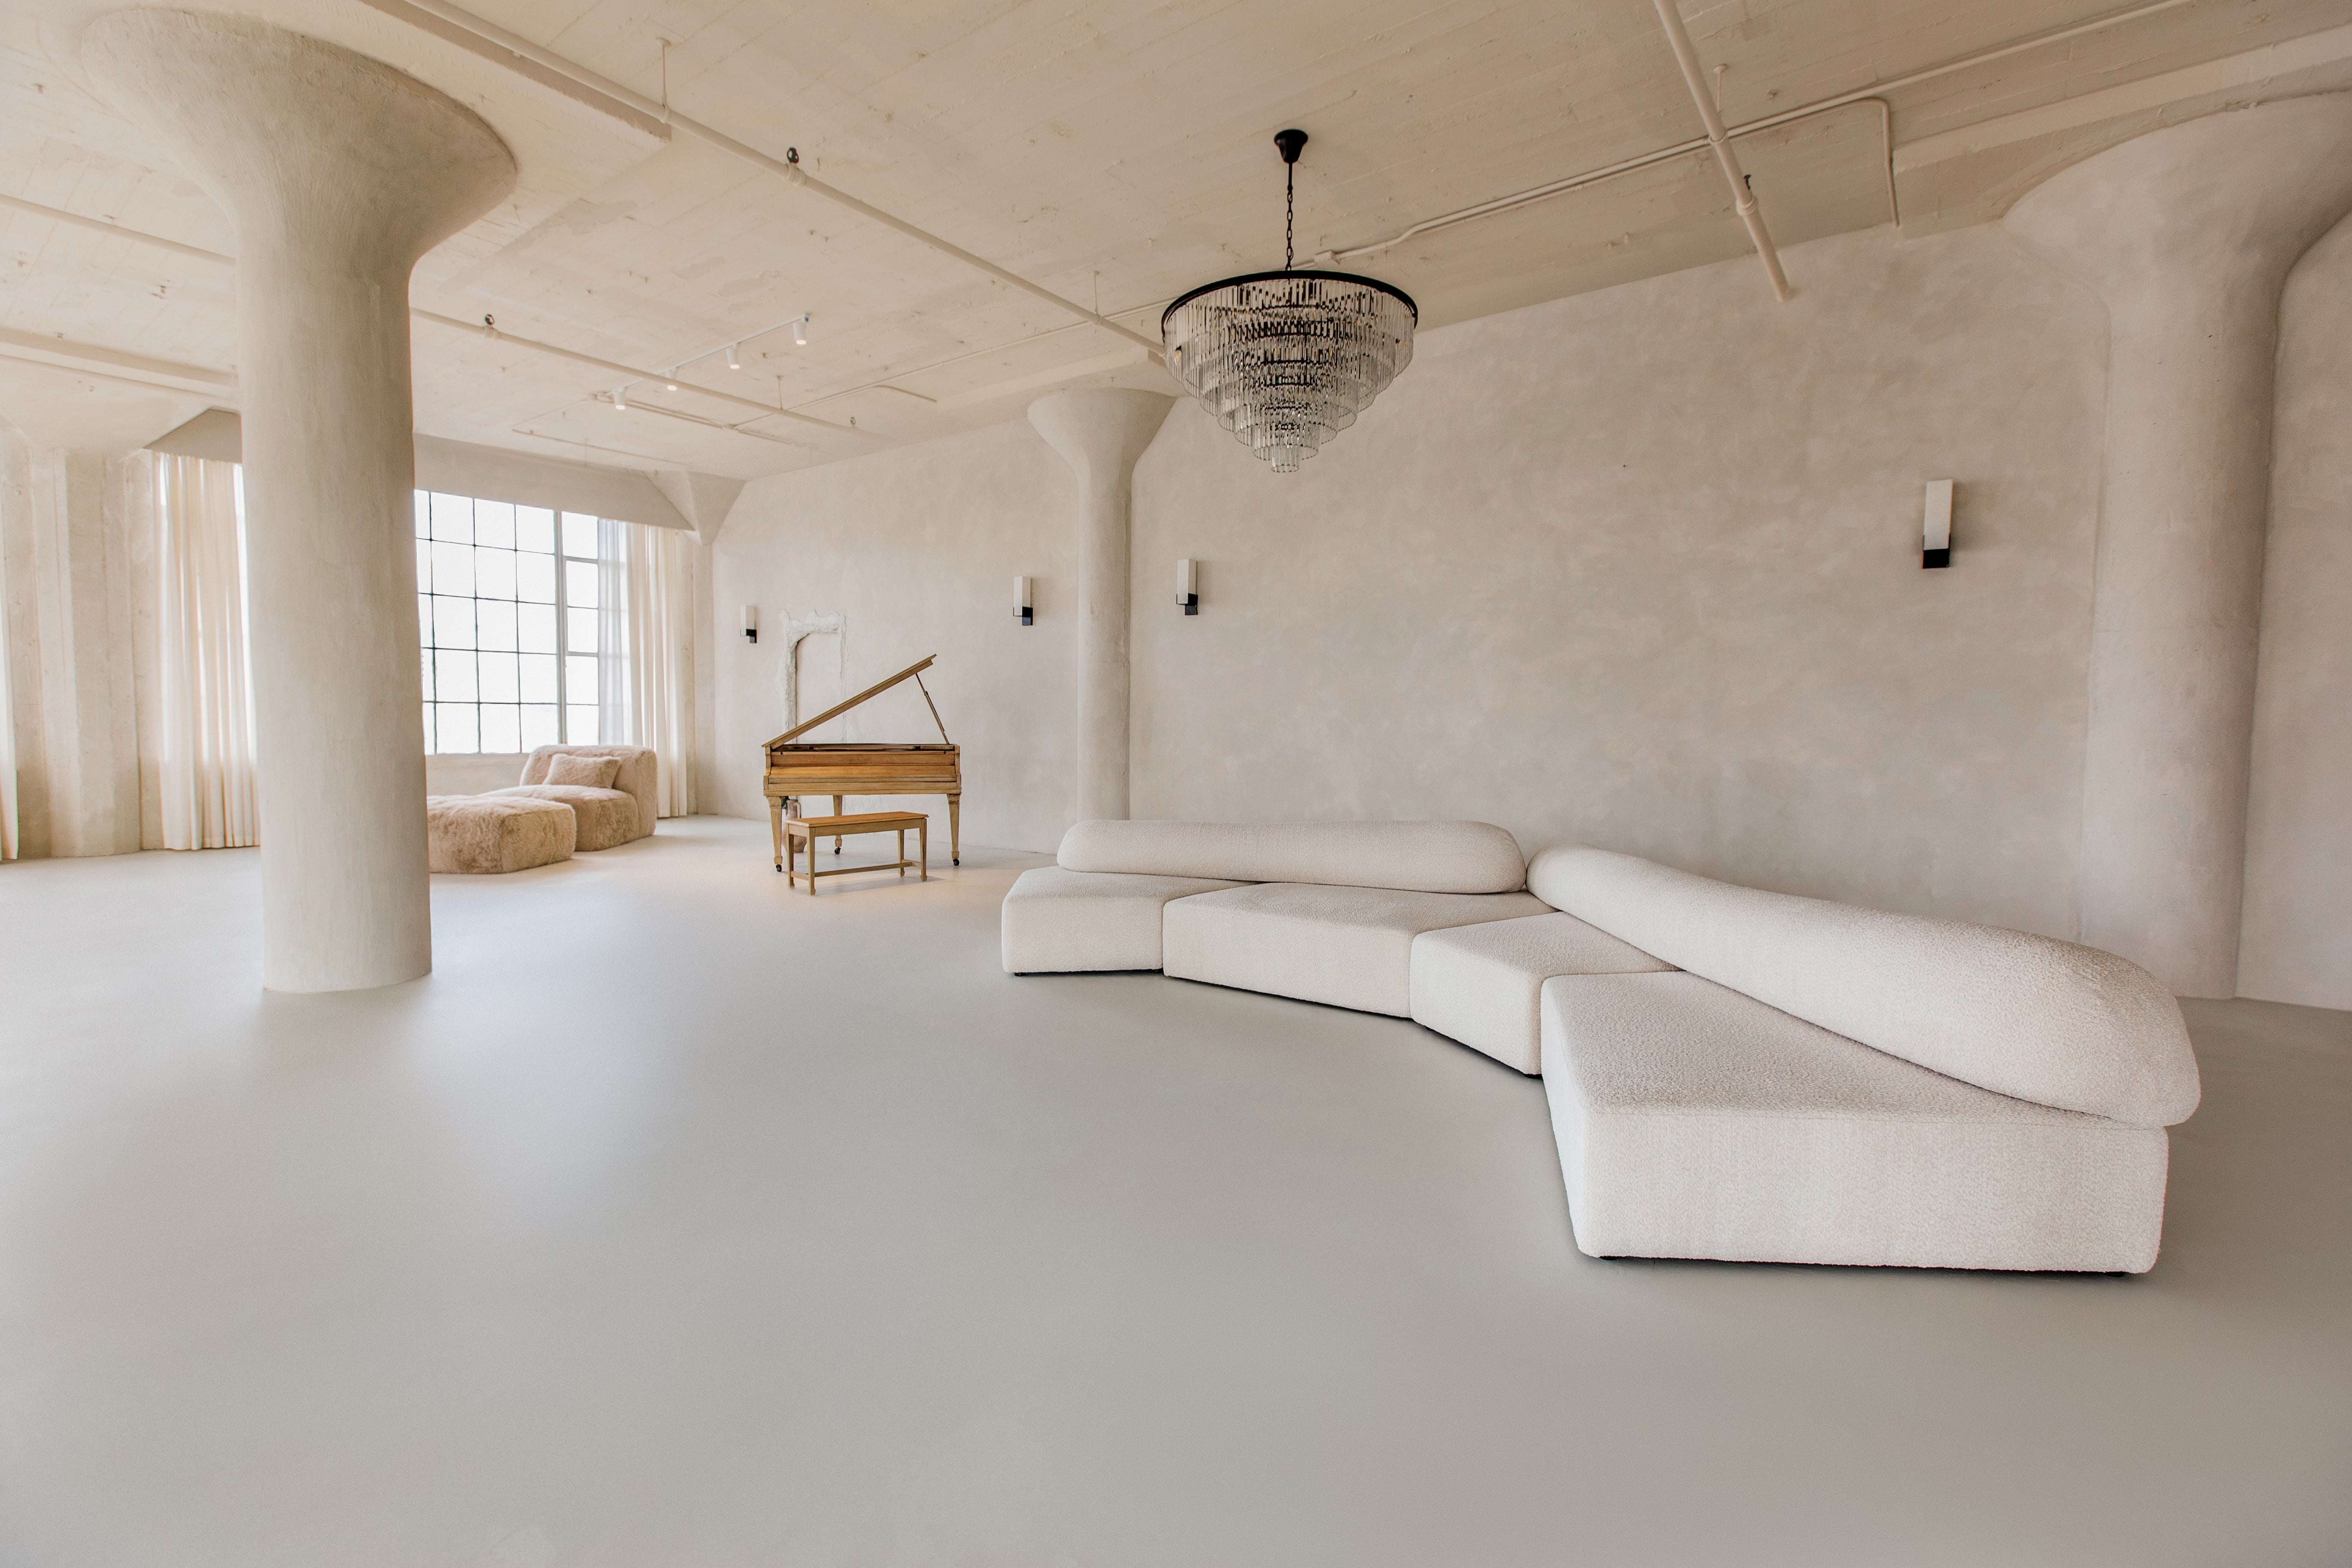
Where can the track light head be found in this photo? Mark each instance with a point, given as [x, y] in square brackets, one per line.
[621, 398]
[734, 359]
[799, 333]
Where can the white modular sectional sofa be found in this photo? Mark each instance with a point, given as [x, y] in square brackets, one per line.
[1732, 1074]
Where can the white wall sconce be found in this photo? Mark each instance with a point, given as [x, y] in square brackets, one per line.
[750, 622]
[1188, 586]
[1024, 605]
[1936, 544]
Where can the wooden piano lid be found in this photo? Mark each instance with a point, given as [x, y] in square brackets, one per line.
[838, 709]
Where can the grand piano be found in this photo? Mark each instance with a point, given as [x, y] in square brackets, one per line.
[840, 768]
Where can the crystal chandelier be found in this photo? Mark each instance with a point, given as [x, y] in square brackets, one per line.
[1287, 360]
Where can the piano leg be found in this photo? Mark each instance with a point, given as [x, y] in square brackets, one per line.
[776, 826]
[836, 811]
[955, 830]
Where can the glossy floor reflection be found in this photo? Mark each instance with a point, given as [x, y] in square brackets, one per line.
[676, 1220]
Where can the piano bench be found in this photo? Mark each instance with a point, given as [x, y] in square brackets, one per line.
[799, 830]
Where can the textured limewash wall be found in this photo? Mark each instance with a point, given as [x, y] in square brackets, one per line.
[1639, 567]
[2297, 939]
[916, 549]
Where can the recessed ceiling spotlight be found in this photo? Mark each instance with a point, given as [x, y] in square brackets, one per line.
[734, 359]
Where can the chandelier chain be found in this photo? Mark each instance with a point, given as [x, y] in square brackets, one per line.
[1289, 210]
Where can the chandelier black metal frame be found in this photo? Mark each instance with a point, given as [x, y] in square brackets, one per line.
[1287, 360]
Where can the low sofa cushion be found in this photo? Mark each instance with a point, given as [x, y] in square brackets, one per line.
[493, 833]
[639, 775]
[1057, 922]
[1481, 984]
[605, 817]
[1419, 857]
[2025, 1015]
[1694, 1121]
[594, 773]
[1350, 947]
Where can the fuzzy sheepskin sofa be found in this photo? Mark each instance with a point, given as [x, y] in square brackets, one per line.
[1732, 1074]
[485, 835]
[607, 815]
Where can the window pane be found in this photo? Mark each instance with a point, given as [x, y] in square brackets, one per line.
[453, 569]
[535, 579]
[424, 567]
[453, 622]
[535, 529]
[424, 515]
[580, 537]
[535, 628]
[538, 726]
[494, 624]
[453, 677]
[580, 681]
[538, 682]
[580, 584]
[501, 727]
[494, 573]
[580, 631]
[494, 524]
[455, 730]
[428, 685]
[497, 678]
[424, 619]
[430, 748]
[452, 518]
[580, 727]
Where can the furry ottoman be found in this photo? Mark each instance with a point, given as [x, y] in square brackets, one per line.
[495, 833]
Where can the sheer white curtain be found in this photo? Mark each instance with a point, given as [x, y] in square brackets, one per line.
[646, 596]
[206, 770]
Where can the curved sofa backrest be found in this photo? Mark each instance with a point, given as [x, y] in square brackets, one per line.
[1417, 856]
[2028, 1016]
[640, 773]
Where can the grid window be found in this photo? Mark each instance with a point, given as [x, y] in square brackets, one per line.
[507, 602]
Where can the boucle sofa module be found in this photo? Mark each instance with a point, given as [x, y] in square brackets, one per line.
[1482, 985]
[1422, 857]
[1057, 922]
[2044, 1020]
[1694, 1121]
[1348, 946]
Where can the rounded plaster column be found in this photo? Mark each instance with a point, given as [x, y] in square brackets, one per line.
[2187, 233]
[1100, 433]
[338, 173]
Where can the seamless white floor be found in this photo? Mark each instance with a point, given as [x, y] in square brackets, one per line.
[679, 1220]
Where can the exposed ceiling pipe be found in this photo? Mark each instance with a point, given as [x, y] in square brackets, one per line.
[629, 373]
[58, 215]
[1743, 195]
[787, 169]
[1771, 122]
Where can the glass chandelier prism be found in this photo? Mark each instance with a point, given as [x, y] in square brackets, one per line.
[1287, 360]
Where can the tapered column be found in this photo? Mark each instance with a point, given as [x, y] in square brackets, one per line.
[2187, 233]
[340, 173]
[1101, 434]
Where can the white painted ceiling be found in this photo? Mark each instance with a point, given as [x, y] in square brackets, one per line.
[1115, 151]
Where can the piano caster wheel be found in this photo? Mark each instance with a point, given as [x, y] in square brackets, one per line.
[955, 859]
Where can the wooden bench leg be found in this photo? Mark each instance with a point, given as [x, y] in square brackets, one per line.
[902, 854]
[922, 837]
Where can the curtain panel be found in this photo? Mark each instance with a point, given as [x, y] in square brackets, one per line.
[646, 594]
[205, 774]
